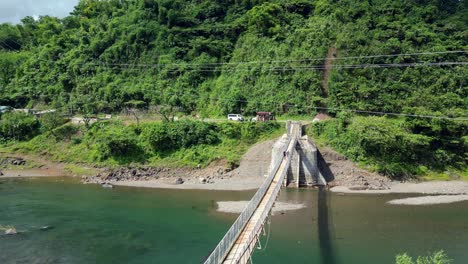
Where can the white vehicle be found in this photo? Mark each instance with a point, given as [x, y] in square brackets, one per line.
[235, 117]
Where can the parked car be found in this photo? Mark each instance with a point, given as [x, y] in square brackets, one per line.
[263, 117]
[4, 109]
[235, 117]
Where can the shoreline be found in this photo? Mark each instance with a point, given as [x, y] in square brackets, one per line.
[33, 172]
[248, 176]
[246, 183]
[192, 184]
[427, 187]
[434, 192]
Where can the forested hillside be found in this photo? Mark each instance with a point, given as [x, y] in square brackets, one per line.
[241, 56]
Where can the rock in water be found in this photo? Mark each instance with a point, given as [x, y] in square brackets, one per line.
[11, 231]
[179, 181]
[107, 185]
[45, 228]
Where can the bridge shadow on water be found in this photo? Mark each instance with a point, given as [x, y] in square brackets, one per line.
[325, 225]
[325, 221]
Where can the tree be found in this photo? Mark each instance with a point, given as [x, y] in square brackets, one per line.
[266, 18]
[18, 126]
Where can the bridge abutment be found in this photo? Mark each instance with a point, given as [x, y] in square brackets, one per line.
[304, 170]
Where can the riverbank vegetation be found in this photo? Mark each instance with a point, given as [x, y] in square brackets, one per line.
[398, 147]
[110, 142]
[212, 58]
[439, 257]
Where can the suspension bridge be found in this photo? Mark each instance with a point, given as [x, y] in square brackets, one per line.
[294, 159]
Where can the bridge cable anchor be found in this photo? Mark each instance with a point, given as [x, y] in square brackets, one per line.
[259, 244]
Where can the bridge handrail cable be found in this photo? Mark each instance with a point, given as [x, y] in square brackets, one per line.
[224, 246]
[259, 224]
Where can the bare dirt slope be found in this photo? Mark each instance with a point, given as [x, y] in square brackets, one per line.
[22, 165]
[347, 173]
[256, 161]
[217, 176]
[328, 67]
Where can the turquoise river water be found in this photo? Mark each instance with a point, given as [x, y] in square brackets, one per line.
[90, 224]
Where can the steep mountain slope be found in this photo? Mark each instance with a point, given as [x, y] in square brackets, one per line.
[223, 56]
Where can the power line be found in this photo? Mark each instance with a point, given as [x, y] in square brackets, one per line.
[393, 114]
[213, 65]
[9, 47]
[307, 67]
[355, 66]
[352, 57]
[298, 68]
[276, 61]
[463, 118]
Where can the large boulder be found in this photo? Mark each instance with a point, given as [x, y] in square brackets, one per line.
[18, 162]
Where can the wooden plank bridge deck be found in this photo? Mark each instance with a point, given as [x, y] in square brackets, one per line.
[239, 242]
[245, 243]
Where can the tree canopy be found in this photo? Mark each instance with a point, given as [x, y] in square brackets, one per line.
[242, 56]
[231, 55]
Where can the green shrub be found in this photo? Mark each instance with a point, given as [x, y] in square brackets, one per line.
[439, 257]
[18, 126]
[389, 143]
[170, 136]
[65, 132]
[51, 121]
[253, 131]
[230, 130]
[76, 140]
[113, 140]
[246, 130]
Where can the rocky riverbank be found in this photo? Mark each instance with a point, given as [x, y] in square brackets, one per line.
[8, 161]
[174, 175]
[250, 174]
[218, 176]
[12, 167]
[347, 173]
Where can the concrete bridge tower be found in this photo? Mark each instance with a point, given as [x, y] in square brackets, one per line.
[304, 169]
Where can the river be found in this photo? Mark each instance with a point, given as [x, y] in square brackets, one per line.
[90, 224]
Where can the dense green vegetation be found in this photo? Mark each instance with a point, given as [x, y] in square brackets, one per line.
[18, 126]
[109, 53]
[397, 147]
[439, 257]
[183, 143]
[241, 56]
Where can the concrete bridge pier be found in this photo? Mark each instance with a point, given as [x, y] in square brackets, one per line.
[304, 168]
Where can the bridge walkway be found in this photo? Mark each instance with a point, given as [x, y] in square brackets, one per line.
[245, 243]
[239, 242]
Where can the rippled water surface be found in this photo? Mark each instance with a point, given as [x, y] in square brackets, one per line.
[90, 224]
